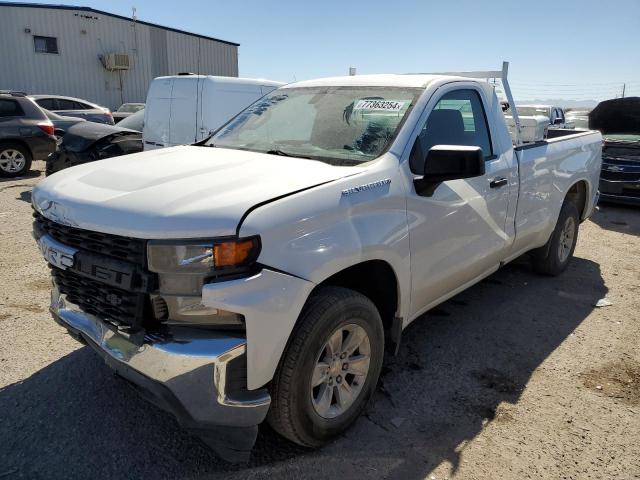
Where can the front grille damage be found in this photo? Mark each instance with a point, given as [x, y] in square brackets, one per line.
[108, 279]
[104, 301]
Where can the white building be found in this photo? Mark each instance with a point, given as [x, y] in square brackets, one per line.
[99, 56]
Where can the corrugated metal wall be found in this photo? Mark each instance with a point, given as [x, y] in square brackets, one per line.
[84, 36]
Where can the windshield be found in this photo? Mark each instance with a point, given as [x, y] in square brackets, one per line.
[533, 111]
[339, 125]
[134, 122]
[130, 107]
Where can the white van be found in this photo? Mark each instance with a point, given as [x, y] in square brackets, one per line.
[187, 108]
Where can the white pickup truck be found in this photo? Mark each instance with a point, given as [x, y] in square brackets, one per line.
[555, 115]
[260, 273]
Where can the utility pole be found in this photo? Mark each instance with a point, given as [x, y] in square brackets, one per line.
[624, 86]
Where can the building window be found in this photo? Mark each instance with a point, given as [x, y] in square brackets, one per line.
[45, 44]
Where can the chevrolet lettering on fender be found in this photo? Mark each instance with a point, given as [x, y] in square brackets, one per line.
[260, 274]
[368, 186]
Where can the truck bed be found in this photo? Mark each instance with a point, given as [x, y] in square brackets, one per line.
[557, 134]
[547, 170]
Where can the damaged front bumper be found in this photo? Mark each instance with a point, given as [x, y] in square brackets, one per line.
[197, 375]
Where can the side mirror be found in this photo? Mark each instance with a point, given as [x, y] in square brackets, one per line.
[58, 132]
[557, 121]
[449, 162]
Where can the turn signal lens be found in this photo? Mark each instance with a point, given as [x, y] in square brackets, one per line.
[233, 254]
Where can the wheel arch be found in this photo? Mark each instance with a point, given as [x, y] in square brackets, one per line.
[578, 194]
[17, 141]
[375, 279]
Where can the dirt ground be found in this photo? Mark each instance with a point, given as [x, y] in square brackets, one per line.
[519, 377]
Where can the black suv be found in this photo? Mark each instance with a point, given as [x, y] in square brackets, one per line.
[25, 134]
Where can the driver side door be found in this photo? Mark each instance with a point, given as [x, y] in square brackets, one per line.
[457, 234]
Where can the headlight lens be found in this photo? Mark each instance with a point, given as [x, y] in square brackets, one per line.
[202, 257]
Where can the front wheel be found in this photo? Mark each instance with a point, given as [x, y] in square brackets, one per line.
[554, 256]
[330, 368]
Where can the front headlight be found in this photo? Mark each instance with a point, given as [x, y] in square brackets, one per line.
[200, 257]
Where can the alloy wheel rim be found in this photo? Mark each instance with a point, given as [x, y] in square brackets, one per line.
[340, 371]
[12, 160]
[566, 239]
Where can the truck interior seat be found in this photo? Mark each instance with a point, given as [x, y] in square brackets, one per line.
[444, 127]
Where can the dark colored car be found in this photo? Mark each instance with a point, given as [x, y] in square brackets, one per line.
[88, 141]
[61, 123]
[74, 107]
[619, 122]
[26, 134]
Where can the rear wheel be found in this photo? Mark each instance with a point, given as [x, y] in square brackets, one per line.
[15, 160]
[553, 258]
[330, 368]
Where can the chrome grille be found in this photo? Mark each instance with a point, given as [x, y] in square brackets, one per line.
[123, 248]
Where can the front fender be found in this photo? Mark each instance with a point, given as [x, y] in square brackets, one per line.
[314, 234]
[324, 230]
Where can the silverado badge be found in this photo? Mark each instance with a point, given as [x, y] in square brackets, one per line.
[366, 186]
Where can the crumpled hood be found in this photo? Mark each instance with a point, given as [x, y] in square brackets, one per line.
[178, 192]
[619, 115]
[84, 134]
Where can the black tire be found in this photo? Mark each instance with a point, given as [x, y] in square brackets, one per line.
[548, 260]
[15, 147]
[292, 413]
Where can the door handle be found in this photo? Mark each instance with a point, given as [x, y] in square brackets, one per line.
[498, 182]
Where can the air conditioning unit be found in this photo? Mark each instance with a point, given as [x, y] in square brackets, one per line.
[116, 61]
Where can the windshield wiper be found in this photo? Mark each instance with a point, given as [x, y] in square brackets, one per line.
[284, 154]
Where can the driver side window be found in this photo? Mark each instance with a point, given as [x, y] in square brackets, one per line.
[457, 119]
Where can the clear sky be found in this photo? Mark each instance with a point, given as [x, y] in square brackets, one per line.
[572, 49]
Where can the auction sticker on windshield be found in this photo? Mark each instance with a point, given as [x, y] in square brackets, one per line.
[386, 105]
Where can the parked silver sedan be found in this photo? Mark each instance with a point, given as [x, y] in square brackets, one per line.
[74, 107]
[126, 110]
